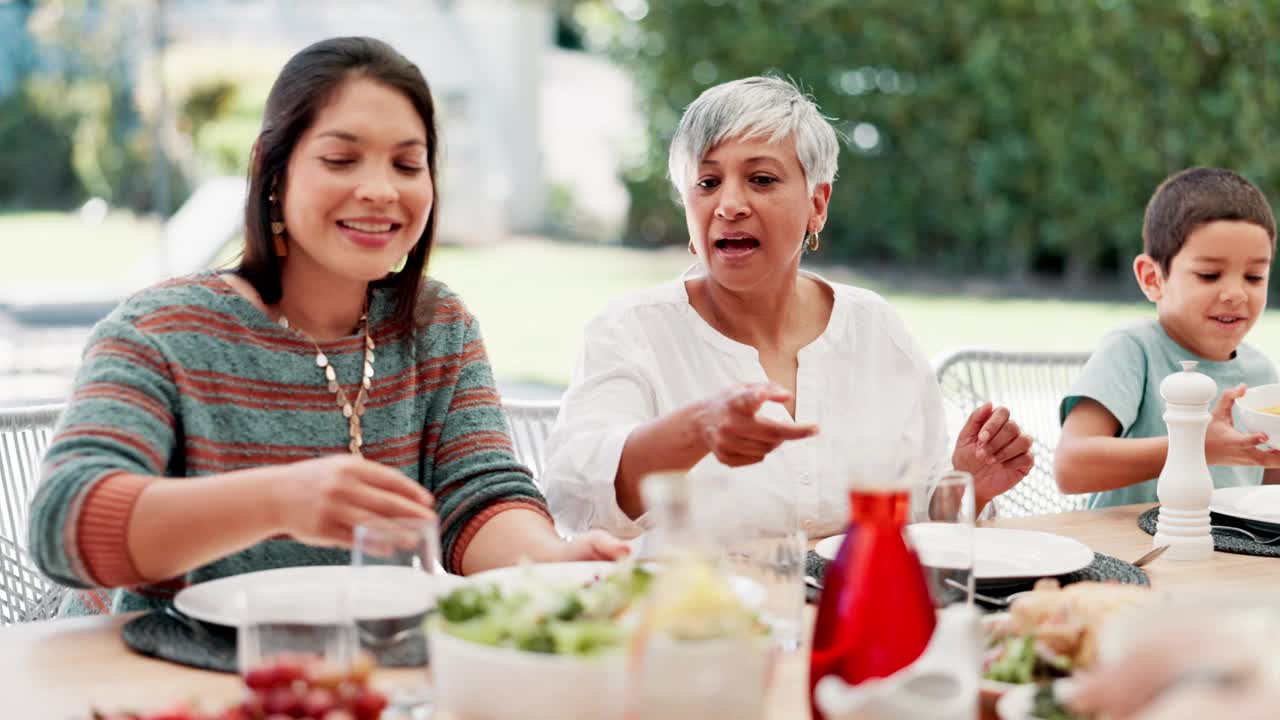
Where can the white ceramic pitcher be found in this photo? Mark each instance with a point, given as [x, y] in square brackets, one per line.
[941, 685]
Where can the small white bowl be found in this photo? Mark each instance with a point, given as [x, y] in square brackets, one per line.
[1251, 405]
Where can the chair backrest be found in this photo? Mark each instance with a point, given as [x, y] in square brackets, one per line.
[531, 422]
[1031, 385]
[25, 594]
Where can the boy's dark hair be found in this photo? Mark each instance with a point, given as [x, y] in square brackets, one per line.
[1196, 196]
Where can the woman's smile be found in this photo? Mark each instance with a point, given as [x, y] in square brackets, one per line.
[374, 233]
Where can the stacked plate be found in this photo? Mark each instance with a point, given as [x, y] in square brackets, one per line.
[1001, 557]
[1257, 507]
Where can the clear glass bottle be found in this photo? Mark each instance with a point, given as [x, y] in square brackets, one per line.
[699, 651]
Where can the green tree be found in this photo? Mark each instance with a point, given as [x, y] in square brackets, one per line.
[92, 59]
[997, 136]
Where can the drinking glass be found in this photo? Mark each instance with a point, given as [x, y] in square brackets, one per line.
[697, 651]
[941, 531]
[289, 633]
[393, 585]
[763, 550]
[767, 565]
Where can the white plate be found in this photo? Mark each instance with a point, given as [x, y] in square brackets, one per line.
[221, 601]
[999, 553]
[1260, 503]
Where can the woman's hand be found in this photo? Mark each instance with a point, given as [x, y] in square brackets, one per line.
[1225, 445]
[994, 450]
[594, 545]
[731, 431]
[321, 501]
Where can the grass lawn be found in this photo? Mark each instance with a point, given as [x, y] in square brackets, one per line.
[57, 247]
[533, 297]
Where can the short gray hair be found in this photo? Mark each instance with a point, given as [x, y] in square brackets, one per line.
[753, 107]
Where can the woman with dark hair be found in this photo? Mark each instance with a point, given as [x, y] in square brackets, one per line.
[235, 421]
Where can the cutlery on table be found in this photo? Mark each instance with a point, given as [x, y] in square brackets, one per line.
[1246, 533]
[990, 600]
[1146, 559]
[193, 626]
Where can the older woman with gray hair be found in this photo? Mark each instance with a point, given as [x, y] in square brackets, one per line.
[746, 365]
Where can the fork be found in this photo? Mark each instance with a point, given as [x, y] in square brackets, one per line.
[192, 625]
[1247, 534]
[1146, 559]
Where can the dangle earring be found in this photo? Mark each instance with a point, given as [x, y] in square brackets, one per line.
[277, 226]
[813, 242]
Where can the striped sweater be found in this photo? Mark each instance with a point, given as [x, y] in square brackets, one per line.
[189, 378]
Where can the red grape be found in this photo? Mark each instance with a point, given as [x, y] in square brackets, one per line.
[291, 688]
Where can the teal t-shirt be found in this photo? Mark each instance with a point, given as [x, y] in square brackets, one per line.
[1124, 375]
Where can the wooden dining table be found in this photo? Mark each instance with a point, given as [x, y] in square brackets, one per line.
[62, 669]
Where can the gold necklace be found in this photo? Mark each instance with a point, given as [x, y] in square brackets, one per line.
[352, 411]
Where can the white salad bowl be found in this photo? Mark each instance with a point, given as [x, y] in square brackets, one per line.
[474, 681]
[482, 682]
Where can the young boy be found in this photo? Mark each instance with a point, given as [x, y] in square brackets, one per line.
[1208, 240]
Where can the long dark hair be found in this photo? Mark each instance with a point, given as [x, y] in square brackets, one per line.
[305, 84]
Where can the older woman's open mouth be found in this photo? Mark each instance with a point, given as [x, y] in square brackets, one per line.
[736, 246]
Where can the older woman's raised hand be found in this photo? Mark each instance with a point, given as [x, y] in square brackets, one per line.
[994, 450]
[735, 435]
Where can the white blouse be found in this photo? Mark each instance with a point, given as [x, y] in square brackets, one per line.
[864, 382]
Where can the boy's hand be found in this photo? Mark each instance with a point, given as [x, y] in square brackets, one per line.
[1225, 445]
[994, 450]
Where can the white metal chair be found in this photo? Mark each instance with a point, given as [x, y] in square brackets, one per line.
[531, 422]
[25, 593]
[1031, 385]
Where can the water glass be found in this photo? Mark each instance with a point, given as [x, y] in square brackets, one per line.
[294, 625]
[393, 586]
[768, 569]
[941, 529]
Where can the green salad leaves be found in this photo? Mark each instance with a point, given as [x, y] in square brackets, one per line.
[583, 621]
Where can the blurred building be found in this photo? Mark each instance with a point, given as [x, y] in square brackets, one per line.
[522, 123]
[483, 58]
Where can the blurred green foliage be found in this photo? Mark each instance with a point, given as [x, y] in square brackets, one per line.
[85, 119]
[993, 136]
[219, 92]
[35, 167]
[84, 84]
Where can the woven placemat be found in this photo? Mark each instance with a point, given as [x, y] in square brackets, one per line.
[1223, 540]
[213, 647]
[1103, 568]
[157, 635]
